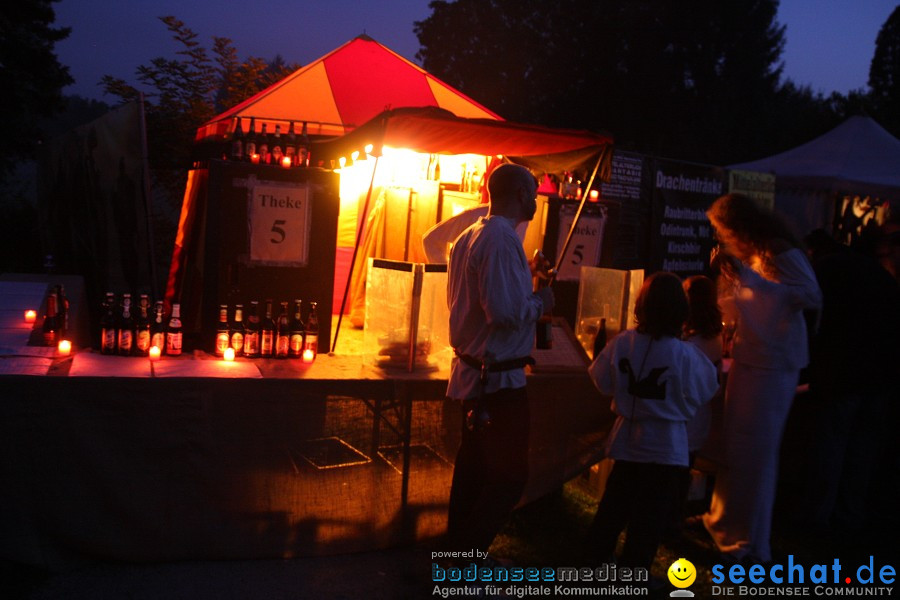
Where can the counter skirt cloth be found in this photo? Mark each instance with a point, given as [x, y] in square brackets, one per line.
[757, 403]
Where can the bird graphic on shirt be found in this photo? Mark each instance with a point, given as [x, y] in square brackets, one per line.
[649, 387]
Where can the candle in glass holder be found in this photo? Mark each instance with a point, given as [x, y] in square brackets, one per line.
[229, 354]
[308, 356]
[30, 316]
[286, 162]
[595, 195]
[154, 353]
[254, 158]
[64, 347]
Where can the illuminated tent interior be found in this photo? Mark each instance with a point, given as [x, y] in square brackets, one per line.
[858, 157]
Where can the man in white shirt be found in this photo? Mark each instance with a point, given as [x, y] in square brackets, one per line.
[493, 312]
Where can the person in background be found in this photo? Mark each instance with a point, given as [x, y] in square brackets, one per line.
[657, 383]
[493, 312]
[703, 329]
[853, 369]
[772, 283]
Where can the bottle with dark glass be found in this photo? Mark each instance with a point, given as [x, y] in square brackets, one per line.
[237, 141]
[283, 333]
[142, 327]
[600, 338]
[125, 328]
[262, 146]
[223, 331]
[237, 330]
[174, 336]
[62, 310]
[297, 330]
[158, 327]
[50, 327]
[303, 148]
[108, 325]
[311, 335]
[267, 333]
[276, 146]
[251, 332]
[290, 145]
[250, 141]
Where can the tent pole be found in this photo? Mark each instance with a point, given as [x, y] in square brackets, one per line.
[584, 198]
[359, 233]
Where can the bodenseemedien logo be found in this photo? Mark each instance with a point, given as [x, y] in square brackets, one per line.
[682, 574]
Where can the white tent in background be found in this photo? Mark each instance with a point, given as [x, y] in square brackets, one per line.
[856, 158]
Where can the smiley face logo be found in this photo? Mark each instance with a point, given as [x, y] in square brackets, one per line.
[682, 573]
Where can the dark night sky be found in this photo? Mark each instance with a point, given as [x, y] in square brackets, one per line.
[829, 42]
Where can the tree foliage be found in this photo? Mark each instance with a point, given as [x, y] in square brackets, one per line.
[884, 74]
[697, 83]
[184, 92]
[31, 76]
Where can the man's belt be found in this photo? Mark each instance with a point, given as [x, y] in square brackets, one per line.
[494, 367]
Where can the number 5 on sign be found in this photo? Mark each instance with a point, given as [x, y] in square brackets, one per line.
[279, 224]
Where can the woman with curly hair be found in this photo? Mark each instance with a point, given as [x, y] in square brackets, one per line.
[772, 283]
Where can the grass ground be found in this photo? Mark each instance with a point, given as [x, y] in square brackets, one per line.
[546, 533]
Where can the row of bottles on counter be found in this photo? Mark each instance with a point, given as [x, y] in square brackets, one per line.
[129, 330]
[288, 336]
[270, 148]
[56, 316]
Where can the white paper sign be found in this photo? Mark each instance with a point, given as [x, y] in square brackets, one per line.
[279, 223]
[584, 249]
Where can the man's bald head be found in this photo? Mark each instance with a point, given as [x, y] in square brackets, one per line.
[512, 189]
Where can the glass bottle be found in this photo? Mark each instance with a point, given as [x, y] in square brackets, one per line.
[237, 141]
[108, 325]
[311, 337]
[251, 332]
[267, 333]
[250, 142]
[174, 334]
[276, 147]
[283, 333]
[297, 332]
[237, 330]
[158, 327]
[290, 146]
[600, 338]
[142, 327]
[303, 148]
[262, 146]
[62, 310]
[223, 335]
[125, 328]
[50, 327]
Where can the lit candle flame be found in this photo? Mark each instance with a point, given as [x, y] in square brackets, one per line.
[308, 356]
[64, 347]
[154, 353]
[229, 354]
[30, 316]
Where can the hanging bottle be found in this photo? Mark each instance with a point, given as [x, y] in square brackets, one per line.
[262, 146]
[276, 146]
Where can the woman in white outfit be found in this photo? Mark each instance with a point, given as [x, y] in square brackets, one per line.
[773, 283]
